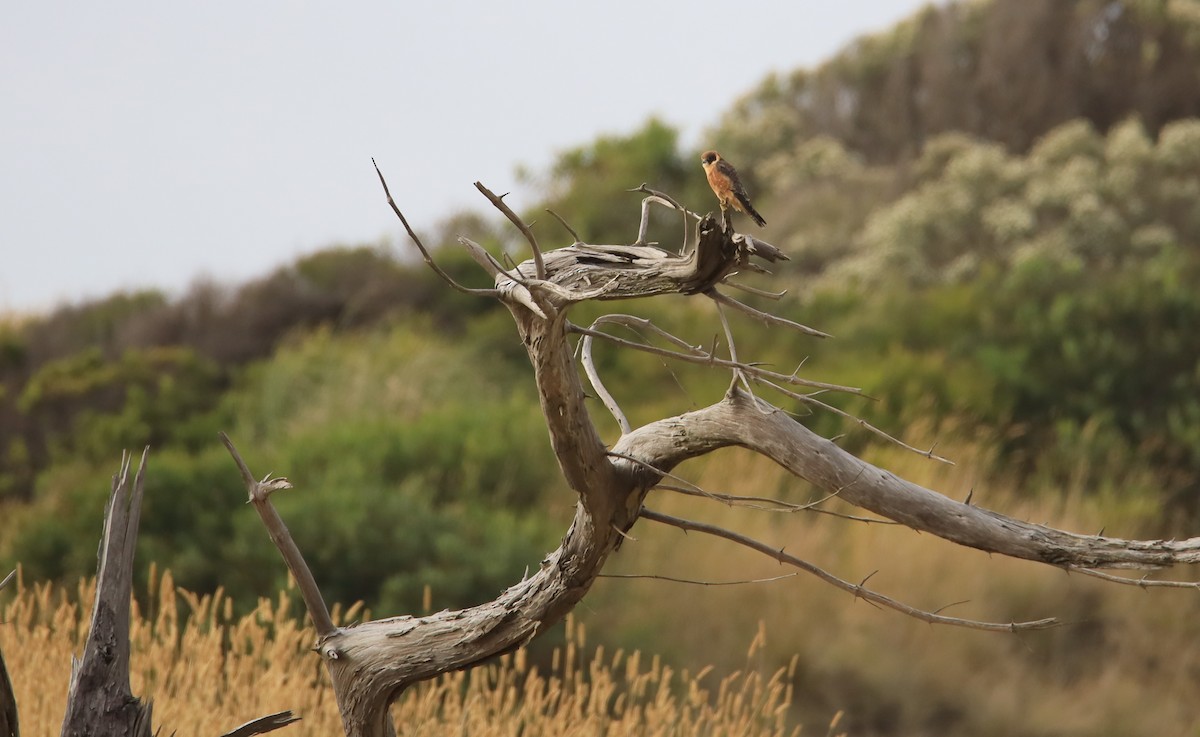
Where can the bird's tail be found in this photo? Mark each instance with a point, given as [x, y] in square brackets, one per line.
[754, 214]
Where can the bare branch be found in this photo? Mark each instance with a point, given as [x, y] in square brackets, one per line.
[1143, 582]
[262, 725]
[502, 206]
[737, 421]
[515, 287]
[858, 590]
[660, 473]
[259, 493]
[610, 402]
[421, 246]
[728, 334]
[762, 249]
[768, 504]
[487, 261]
[663, 199]
[564, 223]
[638, 324]
[705, 358]
[809, 399]
[766, 317]
[753, 290]
[693, 581]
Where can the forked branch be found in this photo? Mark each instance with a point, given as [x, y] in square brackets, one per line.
[259, 493]
[421, 246]
[515, 219]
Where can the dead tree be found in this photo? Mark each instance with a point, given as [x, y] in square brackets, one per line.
[372, 663]
[99, 699]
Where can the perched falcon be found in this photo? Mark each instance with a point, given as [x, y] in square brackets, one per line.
[723, 179]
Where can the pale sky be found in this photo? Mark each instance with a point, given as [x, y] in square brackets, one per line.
[146, 144]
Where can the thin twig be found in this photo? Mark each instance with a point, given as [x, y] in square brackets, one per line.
[8, 579]
[662, 473]
[694, 581]
[701, 357]
[623, 533]
[738, 376]
[810, 399]
[766, 317]
[538, 264]
[421, 246]
[262, 725]
[728, 332]
[753, 290]
[666, 200]
[767, 504]
[593, 376]
[562, 222]
[259, 493]
[858, 590]
[944, 607]
[1142, 582]
[637, 325]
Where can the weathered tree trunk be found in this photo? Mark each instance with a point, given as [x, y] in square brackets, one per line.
[99, 700]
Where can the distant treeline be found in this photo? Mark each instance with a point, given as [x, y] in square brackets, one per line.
[1005, 71]
[61, 374]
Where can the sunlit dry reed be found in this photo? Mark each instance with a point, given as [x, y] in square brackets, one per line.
[208, 671]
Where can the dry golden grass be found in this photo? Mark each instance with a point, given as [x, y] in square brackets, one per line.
[208, 671]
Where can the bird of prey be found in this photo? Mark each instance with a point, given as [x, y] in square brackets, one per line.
[723, 179]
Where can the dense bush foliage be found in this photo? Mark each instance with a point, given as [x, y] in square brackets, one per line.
[1005, 71]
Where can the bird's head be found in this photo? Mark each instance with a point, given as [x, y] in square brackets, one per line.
[708, 158]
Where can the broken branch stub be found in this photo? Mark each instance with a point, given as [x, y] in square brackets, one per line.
[99, 699]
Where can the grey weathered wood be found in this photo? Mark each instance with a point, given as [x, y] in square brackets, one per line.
[738, 421]
[624, 272]
[99, 699]
[262, 725]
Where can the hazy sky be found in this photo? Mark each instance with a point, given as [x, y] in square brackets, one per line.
[149, 143]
